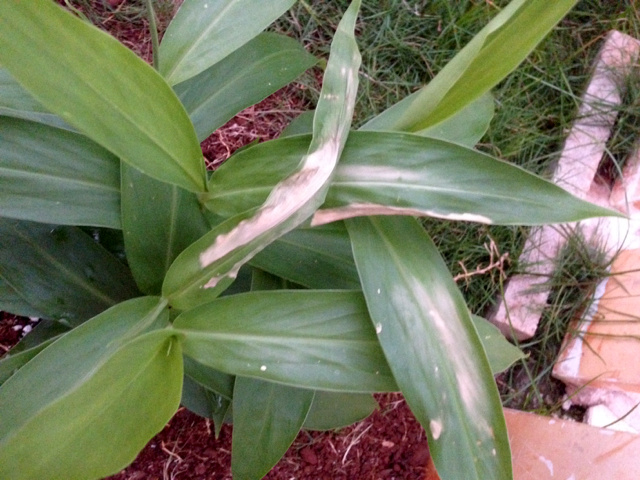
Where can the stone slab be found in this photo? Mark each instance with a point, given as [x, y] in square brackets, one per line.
[518, 312]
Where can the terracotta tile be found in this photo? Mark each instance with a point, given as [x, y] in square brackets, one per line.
[546, 448]
[606, 353]
[517, 314]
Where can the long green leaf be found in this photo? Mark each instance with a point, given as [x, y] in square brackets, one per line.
[16, 102]
[266, 419]
[216, 381]
[432, 347]
[316, 339]
[206, 267]
[159, 221]
[500, 353]
[489, 57]
[12, 301]
[45, 333]
[56, 176]
[258, 69]
[331, 410]
[204, 402]
[317, 257]
[427, 177]
[127, 400]
[61, 271]
[467, 126]
[104, 375]
[204, 32]
[101, 88]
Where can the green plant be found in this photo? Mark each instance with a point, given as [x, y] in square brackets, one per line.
[93, 141]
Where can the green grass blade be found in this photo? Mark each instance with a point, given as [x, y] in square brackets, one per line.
[101, 88]
[315, 339]
[492, 54]
[433, 349]
[258, 69]
[61, 271]
[206, 267]
[159, 221]
[204, 32]
[56, 176]
[266, 420]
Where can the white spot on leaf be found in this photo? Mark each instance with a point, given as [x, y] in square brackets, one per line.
[378, 328]
[263, 368]
[436, 428]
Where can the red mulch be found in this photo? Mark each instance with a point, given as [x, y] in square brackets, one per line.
[390, 444]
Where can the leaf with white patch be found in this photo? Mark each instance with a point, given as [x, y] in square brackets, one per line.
[219, 255]
[428, 177]
[433, 349]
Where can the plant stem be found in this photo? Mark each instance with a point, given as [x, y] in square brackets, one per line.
[153, 29]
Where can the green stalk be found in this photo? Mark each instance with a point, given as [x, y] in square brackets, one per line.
[153, 28]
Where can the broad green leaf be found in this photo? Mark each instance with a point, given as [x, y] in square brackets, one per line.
[433, 349]
[158, 221]
[467, 126]
[266, 420]
[427, 177]
[48, 428]
[56, 176]
[258, 69]
[489, 57]
[204, 32]
[205, 268]
[318, 257]
[61, 271]
[101, 88]
[218, 382]
[317, 339]
[45, 333]
[16, 102]
[123, 401]
[331, 410]
[11, 301]
[300, 125]
[204, 402]
[500, 353]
